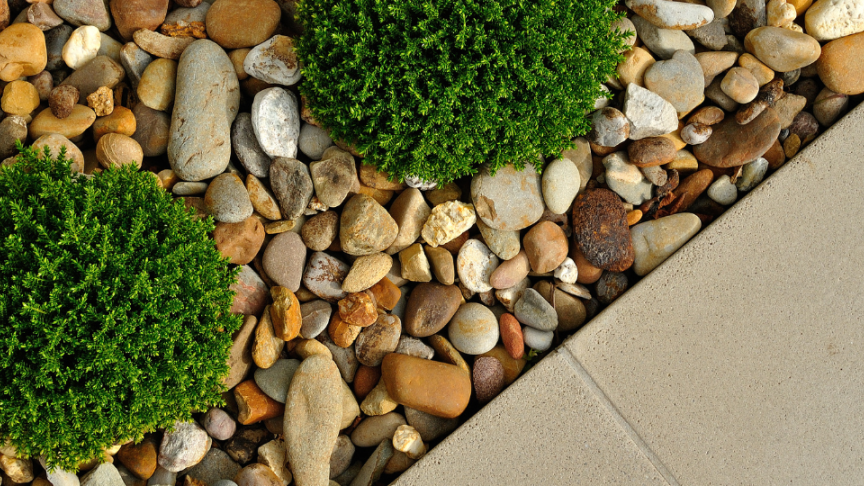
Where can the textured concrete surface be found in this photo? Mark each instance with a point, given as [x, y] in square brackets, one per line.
[740, 360]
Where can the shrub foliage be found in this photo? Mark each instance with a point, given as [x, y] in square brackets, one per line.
[434, 88]
[114, 309]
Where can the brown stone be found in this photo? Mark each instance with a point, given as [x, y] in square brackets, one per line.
[358, 309]
[634, 217]
[285, 313]
[512, 367]
[365, 380]
[692, 187]
[102, 101]
[430, 307]
[650, 152]
[733, 145]
[385, 293]
[442, 264]
[448, 352]
[511, 336]
[254, 404]
[511, 271]
[320, 231]
[139, 459]
[242, 23]
[342, 333]
[371, 177]
[121, 121]
[131, 15]
[161, 45]
[841, 65]
[101, 71]
[775, 156]
[240, 355]
[184, 29]
[239, 242]
[546, 246]
[600, 230]
[378, 340]
[436, 388]
[488, 377]
[115, 150]
[267, 347]
[62, 99]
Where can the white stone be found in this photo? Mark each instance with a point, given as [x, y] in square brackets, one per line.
[694, 134]
[832, 19]
[575, 290]
[82, 46]
[273, 61]
[406, 439]
[183, 447]
[276, 122]
[626, 179]
[421, 184]
[723, 191]
[662, 42]
[752, 174]
[672, 15]
[609, 127]
[567, 272]
[475, 264]
[60, 477]
[103, 475]
[313, 141]
[561, 182]
[654, 241]
[447, 221]
[780, 13]
[649, 114]
[602, 101]
[536, 339]
[509, 297]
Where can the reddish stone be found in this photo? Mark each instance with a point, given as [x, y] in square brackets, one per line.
[546, 246]
[511, 335]
[365, 380]
[342, 333]
[488, 378]
[241, 241]
[650, 152]
[358, 309]
[455, 244]
[600, 230]
[732, 145]
[131, 15]
[139, 459]
[385, 293]
[250, 292]
[692, 187]
[254, 405]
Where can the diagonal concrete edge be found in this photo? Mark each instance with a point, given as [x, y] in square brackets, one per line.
[740, 360]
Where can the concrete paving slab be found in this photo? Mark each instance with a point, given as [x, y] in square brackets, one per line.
[549, 428]
[740, 360]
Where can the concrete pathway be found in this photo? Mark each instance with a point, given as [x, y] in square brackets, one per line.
[739, 361]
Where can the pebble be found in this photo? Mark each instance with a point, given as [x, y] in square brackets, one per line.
[696, 133]
[760, 71]
[740, 85]
[55, 143]
[115, 150]
[378, 340]
[161, 477]
[571, 312]
[102, 475]
[157, 85]
[510, 272]
[601, 231]
[410, 213]
[373, 430]
[183, 447]
[276, 122]
[662, 42]
[538, 340]
[102, 101]
[324, 275]
[183, 188]
[130, 16]
[152, 129]
[134, 60]
[712, 36]
[752, 175]
[610, 286]
[313, 141]
[24, 51]
[782, 49]
[723, 191]
[162, 45]
[505, 244]
[267, 347]
[829, 106]
[679, 80]
[334, 176]
[257, 475]
[367, 271]
[378, 401]
[313, 414]
[433, 387]
[12, 128]
[475, 264]
[510, 200]
[609, 127]
[655, 241]
[652, 151]
[218, 423]
[692, 187]
[365, 227]
[316, 316]
[732, 145]
[274, 61]
[672, 15]
[827, 20]
[407, 440]
[632, 69]
[100, 72]
[430, 307]
[226, 197]
[186, 22]
[246, 147]
[841, 66]
[272, 455]
[374, 466]
[284, 259]
[275, 380]
[292, 185]
[216, 465]
[626, 179]
[207, 100]
[82, 46]
[546, 246]
[121, 120]
[414, 347]
[415, 265]
[649, 114]
[20, 470]
[473, 329]
[241, 241]
[242, 23]
[340, 458]
[534, 311]
[262, 198]
[320, 231]
[78, 121]
[714, 63]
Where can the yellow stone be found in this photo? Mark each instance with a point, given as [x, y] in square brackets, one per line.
[157, 85]
[757, 68]
[632, 69]
[73, 125]
[22, 51]
[684, 162]
[19, 98]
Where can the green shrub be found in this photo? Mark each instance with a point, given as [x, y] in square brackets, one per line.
[433, 88]
[114, 309]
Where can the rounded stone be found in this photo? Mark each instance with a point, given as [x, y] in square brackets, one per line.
[183, 447]
[275, 380]
[157, 85]
[652, 151]
[372, 430]
[366, 272]
[274, 61]
[276, 122]
[561, 182]
[227, 199]
[655, 241]
[292, 186]
[841, 65]
[219, 424]
[429, 426]
[740, 85]
[601, 231]
[679, 80]
[55, 143]
[12, 129]
[473, 329]
[241, 241]
[19, 98]
[132, 15]
[153, 129]
[242, 23]
[366, 227]
[84, 12]
[430, 307]
[284, 260]
[610, 286]
[831, 19]
[546, 246]
[320, 231]
[114, 150]
[474, 265]
[488, 377]
[246, 147]
[609, 127]
[509, 200]
[313, 141]
[378, 340]
[781, 49]
[23, 51]
[79, 120]
[538, 340]
[723, 191]
[82, 46]
[257, 475]
[535, 311]
[732, 145]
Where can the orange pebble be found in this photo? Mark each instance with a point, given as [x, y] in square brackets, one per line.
[365, 380]
[633, 217]
[511, 335]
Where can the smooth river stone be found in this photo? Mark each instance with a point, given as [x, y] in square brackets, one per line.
[206, 103]
[654, 241]
[841, 66]
[313, 415]
[430, 307]
[672, 15]
[781, 49]
[439, 389]
[601, 231]
[833, 19]
[509, 200]
[276, 121]
[732, 145]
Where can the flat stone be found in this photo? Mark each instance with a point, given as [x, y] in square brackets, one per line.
[320, 231]
[632, 70]
[712, 35]
[841, 67]
[662, 42]
[415, 265]
[246, 147]
[732, 145]
[781, 49]
[152, 131]
[600, 230]
[649, 114]
[162, 46]
[510, 272]
[654, 241]
[24, 51]
[313, 141]
[505, 244]
[206, 103]
[410, 213]
[714, 63]
[241, 241]
[292, 186]
[373, 430]
[365, 227]
[740, 85]
[276, 122]
[509, 200]
[251, 292]
[340, 459]
[366, 272]
[324, 275]
[275, 380]
[672, 15]
[274, 61]
[436, 388]
[546, 246]
[679, 80]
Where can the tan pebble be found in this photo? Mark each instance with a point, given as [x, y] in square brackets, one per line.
[792, 145]
[634, 217]
[24, 52]
[157, 85]
[276, 227]
[759, 70]
[55, 143]
[168, 178]
[237, 56]
[684, 162]
[102, 101]
[308, 347]
[632, 68]
[79, 120]
[114, 150]
[121, 121]
[19, 98]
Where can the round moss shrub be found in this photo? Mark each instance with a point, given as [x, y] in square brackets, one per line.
[434, 88]
[114, 309]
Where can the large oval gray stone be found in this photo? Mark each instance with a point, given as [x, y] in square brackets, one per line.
[276, 121]
[206, 103]
[292, 185]
[246, 147]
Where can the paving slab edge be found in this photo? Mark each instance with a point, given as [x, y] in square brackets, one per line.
[807, 160]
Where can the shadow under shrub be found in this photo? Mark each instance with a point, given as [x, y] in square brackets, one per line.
[114, 309]
[434, 88]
